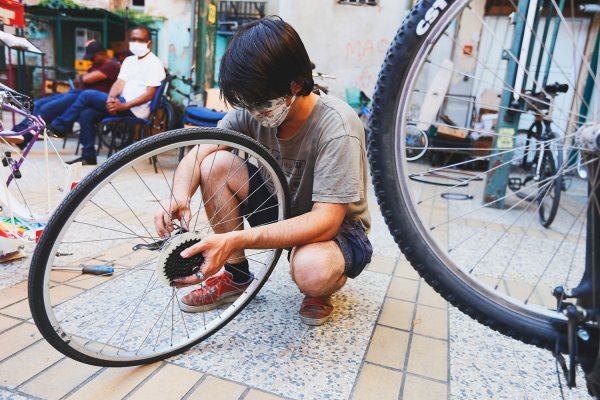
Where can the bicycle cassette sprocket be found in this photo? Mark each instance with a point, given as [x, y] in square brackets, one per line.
[171, 265]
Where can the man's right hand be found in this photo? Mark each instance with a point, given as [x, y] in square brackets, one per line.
[163, 219]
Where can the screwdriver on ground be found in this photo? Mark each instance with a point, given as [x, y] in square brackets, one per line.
[90, 269]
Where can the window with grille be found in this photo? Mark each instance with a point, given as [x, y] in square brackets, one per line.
[359, 2]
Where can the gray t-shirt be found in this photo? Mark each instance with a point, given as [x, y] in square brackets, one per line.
[324, 162]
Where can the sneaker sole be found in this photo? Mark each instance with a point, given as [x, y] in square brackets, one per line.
[314, 321]
[227, 299]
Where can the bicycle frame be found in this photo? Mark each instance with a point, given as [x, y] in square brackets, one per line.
[38, 127]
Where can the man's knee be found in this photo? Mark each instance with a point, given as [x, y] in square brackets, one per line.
[214, 166]
[317, 268]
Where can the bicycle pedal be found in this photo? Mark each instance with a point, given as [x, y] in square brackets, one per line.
[7, 159]
[17, 174]
[515, 184]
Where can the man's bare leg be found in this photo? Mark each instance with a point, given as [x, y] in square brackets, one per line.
[318, 270]
[224, 184]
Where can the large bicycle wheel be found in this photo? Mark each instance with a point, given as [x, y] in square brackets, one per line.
[550, 188]
[488, 256]
[133, 316]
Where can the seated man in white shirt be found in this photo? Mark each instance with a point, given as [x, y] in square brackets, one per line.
[141, 75]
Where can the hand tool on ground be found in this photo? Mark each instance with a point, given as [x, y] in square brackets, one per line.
[90, 269]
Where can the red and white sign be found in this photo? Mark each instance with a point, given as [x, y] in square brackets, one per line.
[12, 13]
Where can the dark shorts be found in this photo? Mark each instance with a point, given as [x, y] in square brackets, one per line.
[355, 246]
[260, 208]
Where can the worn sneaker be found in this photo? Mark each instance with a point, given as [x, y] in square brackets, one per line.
[316, 310]
[217, 290]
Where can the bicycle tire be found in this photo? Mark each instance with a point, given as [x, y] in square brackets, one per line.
[42, 262]
[521, 193]
[549, 169]
[497, 311]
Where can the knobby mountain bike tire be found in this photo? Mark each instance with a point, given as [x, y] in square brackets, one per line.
[441, 239]
[133, 316]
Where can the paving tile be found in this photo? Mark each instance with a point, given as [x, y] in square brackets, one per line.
[423, 389]
[430, 297]
[87, 281]
[58, 380]
[526, 372]
[26, 364]
[405, 270]
[62, 276]
[396, 313]
[388, 347]
[170, 382]
[62, 293]
[268, 348]
[136, 258]
[217, 389]
[306, 378]
[7, 322]
[428, 357]
[18, 310]
[6, 395]
[384, 265]
[114, 383]
[375, 382]
[258, 395]
[431, 322]
[403, 289]
[13, 294]
[17, 339]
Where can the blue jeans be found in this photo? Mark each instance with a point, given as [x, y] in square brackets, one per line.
[49, 108]
[89, 108]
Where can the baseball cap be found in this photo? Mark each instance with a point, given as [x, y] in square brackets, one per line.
[92, 48]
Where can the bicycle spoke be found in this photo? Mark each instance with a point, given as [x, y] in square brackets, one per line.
[130, 209]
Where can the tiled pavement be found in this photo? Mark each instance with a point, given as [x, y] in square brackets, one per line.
[411, 346]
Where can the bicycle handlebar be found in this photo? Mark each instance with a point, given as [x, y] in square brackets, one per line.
[556, 88]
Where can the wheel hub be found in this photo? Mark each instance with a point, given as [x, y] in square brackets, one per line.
[171, 265]
[588, 136]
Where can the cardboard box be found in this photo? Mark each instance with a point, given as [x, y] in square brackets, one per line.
[483, 146]
[447, 132]
[489, 102]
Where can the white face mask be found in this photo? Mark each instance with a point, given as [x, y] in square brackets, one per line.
[274, 113]
[138, 49]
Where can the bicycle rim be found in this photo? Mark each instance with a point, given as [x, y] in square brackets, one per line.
[497, 264]
[133, 316]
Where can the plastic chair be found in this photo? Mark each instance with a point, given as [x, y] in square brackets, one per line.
[207, 116]
[123, 130]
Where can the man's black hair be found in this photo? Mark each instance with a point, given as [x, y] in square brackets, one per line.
[261, 61]
[141, 28]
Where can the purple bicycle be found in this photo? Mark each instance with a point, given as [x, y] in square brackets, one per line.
[34, 179]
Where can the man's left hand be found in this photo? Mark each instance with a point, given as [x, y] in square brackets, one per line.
[216, 249]
[116, 106]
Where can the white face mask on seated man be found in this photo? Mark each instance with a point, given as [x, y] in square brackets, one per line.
[138, 48]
